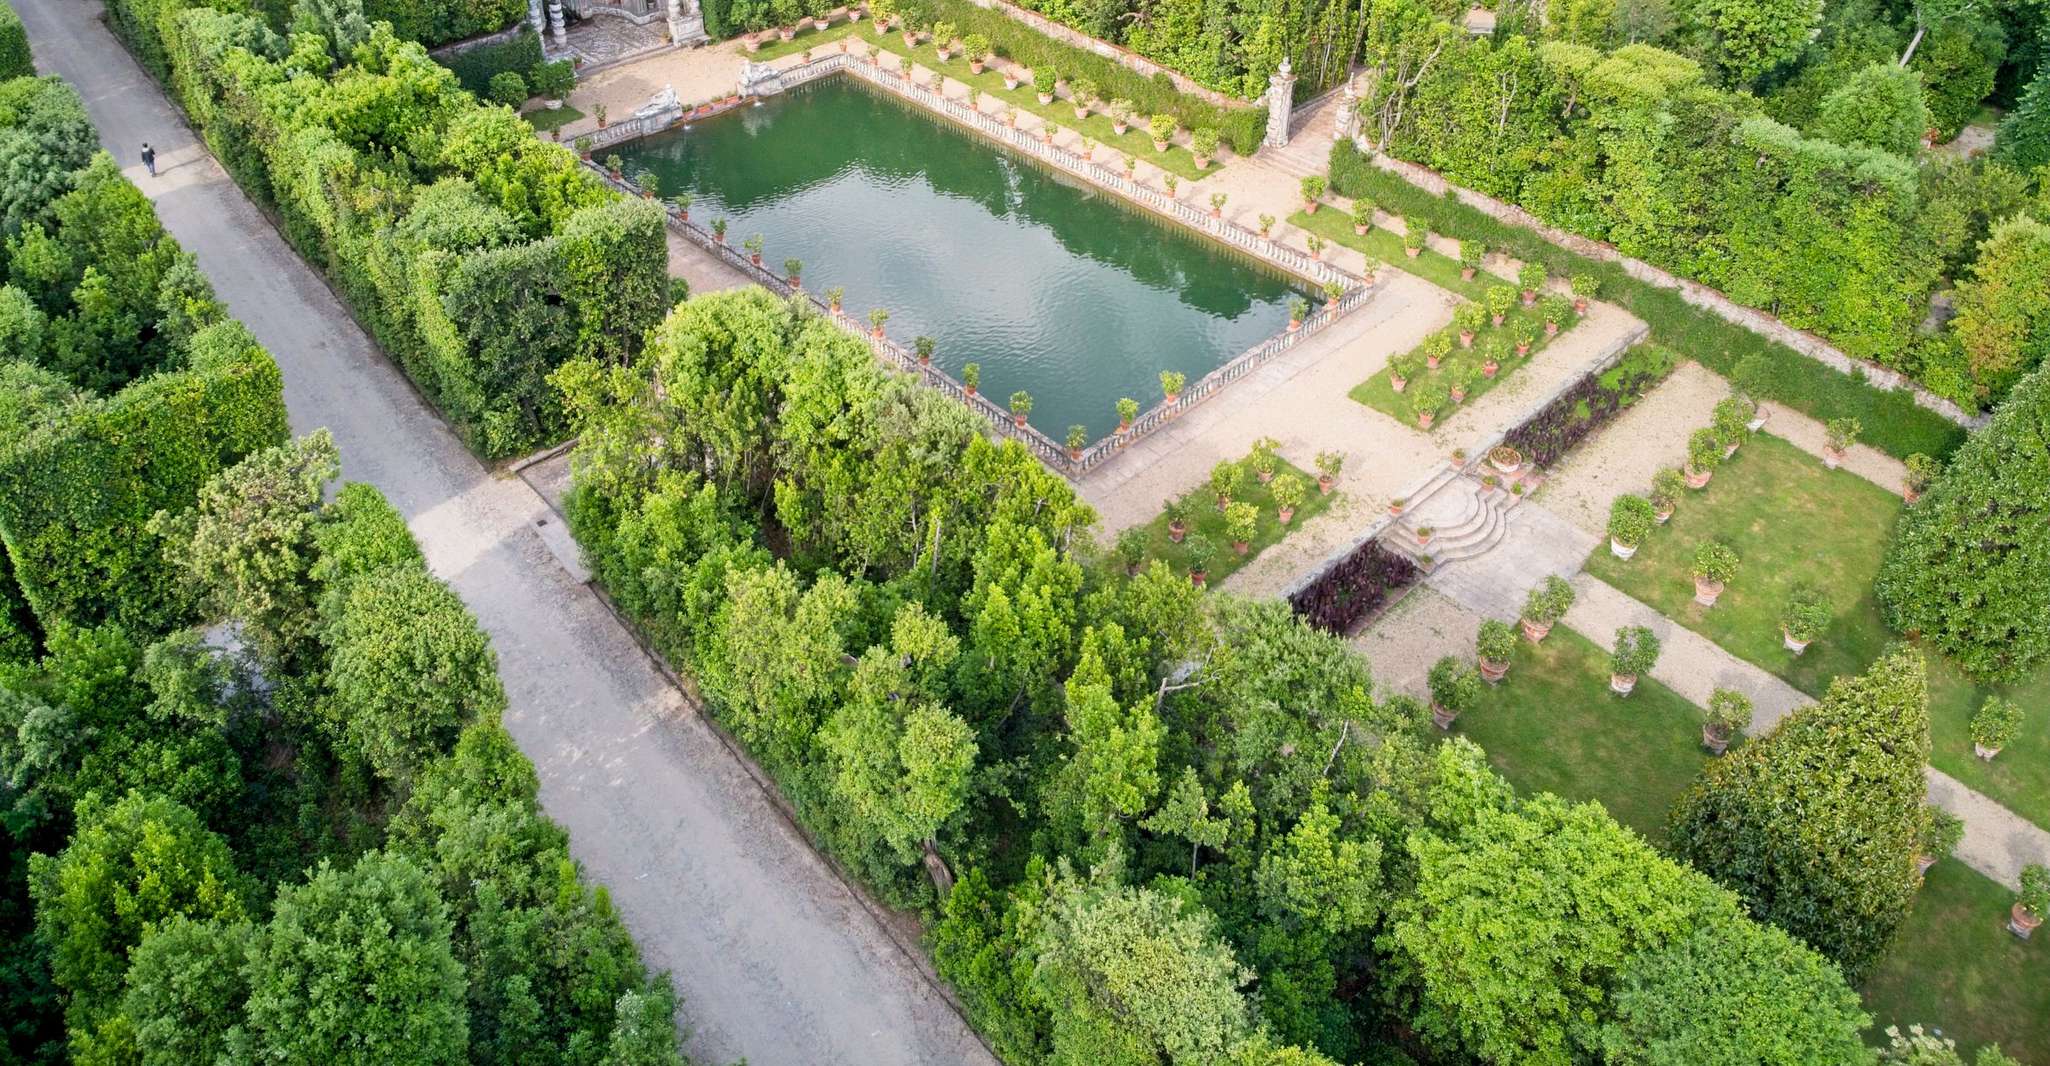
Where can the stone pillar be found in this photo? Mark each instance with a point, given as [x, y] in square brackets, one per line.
[537, 20]
[686, 23]
[556, 28]
[1280, 102]
[1348, 122]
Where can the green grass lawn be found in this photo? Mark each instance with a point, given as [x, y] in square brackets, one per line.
[1955, 966]
[1553, 725]
[1378, 392]
[544, 119]
[1386, 245]
[806, 37]
[1792, 520]
[1135, 141]
[1205, 520]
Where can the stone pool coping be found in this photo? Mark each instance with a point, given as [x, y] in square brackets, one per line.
[1076, 462]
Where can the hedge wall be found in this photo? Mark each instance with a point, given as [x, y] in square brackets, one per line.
[14, 56]
[480, 257]
[474, 67]
[433, 22]
[76, 492]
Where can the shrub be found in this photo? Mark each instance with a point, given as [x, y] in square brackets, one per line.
[1806, 616]
[1704, 451]
[1351, 588]
[1966, 565]
[1631, 519]
[15, 61]
[1729, 711]
[1825, 856]
[1495, 642]
[1997, 722]
[508, 88]
[475, 67]
[555, 80]
[1549, 601]
[1938, 833]
[1636, 651]
[1715, 562]
[1455, 684]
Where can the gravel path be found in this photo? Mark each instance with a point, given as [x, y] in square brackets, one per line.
[1423, 627]
[1621, 459]
[776, 958]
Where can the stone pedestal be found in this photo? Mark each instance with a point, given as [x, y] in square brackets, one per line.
[1348, 124]
[1280, 103]
[686, 23]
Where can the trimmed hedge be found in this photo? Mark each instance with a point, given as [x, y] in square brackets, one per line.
[433, 22]
[1893, 422]
[475, 67]
[75, 493]
[479, 257]
[15, 61]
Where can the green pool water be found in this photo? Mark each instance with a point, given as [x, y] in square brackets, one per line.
[1054, 288]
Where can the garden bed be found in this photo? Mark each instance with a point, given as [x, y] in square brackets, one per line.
[1591, 403]
[1208, 523]
[1385, 245]
[1378, 392]
[1553, 726]
[1791, 520]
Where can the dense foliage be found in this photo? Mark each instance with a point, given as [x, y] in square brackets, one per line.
[480, 256]
[1807, 206]
[433, 22]
[15, 61]
[1814, 824]
[313, 844]
[1894, 423]
[1153, 825]
[1965, 569]
[1352, 587]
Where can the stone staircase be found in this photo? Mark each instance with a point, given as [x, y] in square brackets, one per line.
[1308, 150]
[1465, 517]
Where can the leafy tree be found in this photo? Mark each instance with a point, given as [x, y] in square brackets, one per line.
[1826, 856]
[247, 546]
[1186, 813]
[408, 668]
[1746, 39]
[1879, 107]
[1131, 973]
[186, 989]
[1737, 994]
[1958, 61]
[127, 870]
[1964, 564]
[1316, 876]
[1113, 773]
[784, 651]
[2003, 309]
[646, 1032]
[45, 135]
[355, 967]
[2023, 141]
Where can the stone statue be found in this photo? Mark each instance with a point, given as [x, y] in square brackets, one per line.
[686, 23]
[661, 109]
[759, 79]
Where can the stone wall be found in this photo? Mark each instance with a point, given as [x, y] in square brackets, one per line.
[1750, 318]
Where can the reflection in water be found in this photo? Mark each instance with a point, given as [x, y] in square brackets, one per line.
[1053, 288]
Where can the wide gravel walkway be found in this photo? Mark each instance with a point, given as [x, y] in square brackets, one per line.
[776, 959]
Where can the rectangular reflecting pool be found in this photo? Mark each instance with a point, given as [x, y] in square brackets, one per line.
[1052, 287]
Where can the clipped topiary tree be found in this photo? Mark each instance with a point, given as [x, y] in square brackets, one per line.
[1966, 566]
[1827, 856]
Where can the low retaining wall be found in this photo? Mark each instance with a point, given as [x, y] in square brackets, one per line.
[1695, 293]
[1073, 464]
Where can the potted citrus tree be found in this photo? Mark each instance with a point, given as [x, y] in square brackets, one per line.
[1547, 602]
[1021, 406]
[1997, 723]
[719, 231]
[1241, 524]
[1045, 80]
[1130, 549]
[1288, 491]
[2032, 903]
[754, 249]
[1666, 486]
[1921, 473]
[1584, 288]
[1936, 837]
[1362, 216]
[1467, 318]
[1425, 397]
[1414, 233]
[1729, 713]
[1728, 421]
[1704, 454]
[1635, 653]
[1201, 554]
[1265, 461]
[943, 40]
[833, 297]
[1471, 255]
[1313, 192]
[876, 318]
[924, 346]
[977, 47]
[1531, 279]
[1500, 299]
[1328, 466]
[1128, 409]
[1297, 308]
[1177, 511]
[1630, 521]
[1455, 687]
[1715, 564]
[1171, 383]
[1400, 370]
[1266, 225]
[1226, 479]
[1082, 93]
[1078, 438]
[1217, 202]
[793, 271]
[1203, 146]
[1804, 619]
[1841, 434]
[1554, 309]
[1436, 347]
[1120, 112]
[1494, 644]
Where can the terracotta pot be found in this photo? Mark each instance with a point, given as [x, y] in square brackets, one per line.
[1241, 546]
[1424, 419]
[1423, 538]
[753, 42]
[787, 33]
[1984, 752]
[1294, 324]
[1124, 425]
[1202, 162]
[1580, 305]
[796, 282]
[1622, 684]
[1832, 458]
[975, 66]
[1493, 672]
[1706, 591]
[2020, 922]
[1788, 642]
[1522, 348]
[1715, 742]
[1394, 508]
[1398, 382]
[1529, 297]
[1495, 320]
[1697, 481]
[1551, 329]
[969, 391]
[1441, 717]
[1458, 394]
[877, 333]
[1621, 550]
[1535, 632]
[1173, 398]
[1010, 82]
[1199, 578]
[1466, 338]
[820, 24]
[1662, 516]
[1466, 273]
[1324, 483]
[1431, 362]
[1075, 454]
[1018, 420]
[1309, 207]
[1176, 531]
[1490, 368]
[1265, 476]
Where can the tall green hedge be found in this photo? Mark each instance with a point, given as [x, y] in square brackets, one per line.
[76, 492]
[433, 22]
[14, 56]
[474, 67]
[1969, 567]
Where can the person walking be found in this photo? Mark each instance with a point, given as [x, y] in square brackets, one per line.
[149, 158]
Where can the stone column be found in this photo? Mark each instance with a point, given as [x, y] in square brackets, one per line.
[1280, 102]
[1348, 114]
[556, 28]
[537, 20]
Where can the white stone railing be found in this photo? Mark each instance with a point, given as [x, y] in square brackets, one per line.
[1076, 462]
